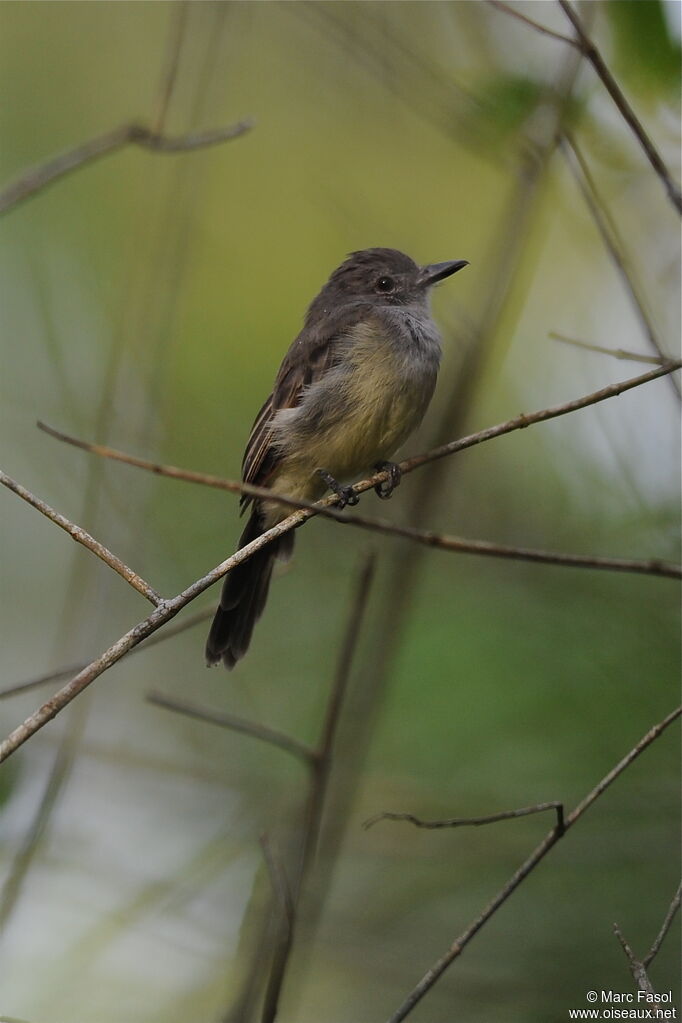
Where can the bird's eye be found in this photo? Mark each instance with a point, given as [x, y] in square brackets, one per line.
[385, 285]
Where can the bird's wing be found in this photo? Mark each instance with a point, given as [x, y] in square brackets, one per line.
[309, 358]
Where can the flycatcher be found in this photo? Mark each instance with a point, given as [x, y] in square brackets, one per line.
[353, 386]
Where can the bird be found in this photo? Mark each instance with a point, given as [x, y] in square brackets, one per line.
[355, 383]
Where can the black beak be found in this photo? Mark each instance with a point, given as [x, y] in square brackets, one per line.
[435, 272]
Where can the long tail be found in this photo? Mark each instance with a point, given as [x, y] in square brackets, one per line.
[243, 597]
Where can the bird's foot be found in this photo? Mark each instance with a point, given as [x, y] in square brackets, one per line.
[346, 495]
[386, 488]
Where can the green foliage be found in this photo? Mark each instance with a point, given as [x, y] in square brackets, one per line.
[646, 52]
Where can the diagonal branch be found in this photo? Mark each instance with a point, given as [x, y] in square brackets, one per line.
[169, 608]
[615, 92]
[615, 246]
[84, 538]
[459, 944]
[39, 177]
[508, 9]
[637, 969]
[72, 669]
[235, 724]
[665, 927]
[616, 353]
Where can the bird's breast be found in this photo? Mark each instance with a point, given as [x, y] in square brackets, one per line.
[367, 404]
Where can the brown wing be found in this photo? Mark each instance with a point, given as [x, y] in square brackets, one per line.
[307, 360]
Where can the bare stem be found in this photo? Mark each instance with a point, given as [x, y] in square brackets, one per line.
[39, 177]
[459, 944]
[615, 92]
[508, 9]
[462, 822]
[72, 669]
[613, 242]
[617, 353]
[84, 538]
[235, 724]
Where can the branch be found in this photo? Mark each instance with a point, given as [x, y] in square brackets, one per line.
[169, 608]
[617, 353]
[426, 537]
[80, 536]
[597, 61]
[235, 724]
[637, 969]
[610, 235]
[508, 9]
[461, 822]
[72, 669]
[42, 175]
[520, 422]
[665, 927]
[459, 944]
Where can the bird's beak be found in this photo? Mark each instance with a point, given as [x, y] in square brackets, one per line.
[435, 272]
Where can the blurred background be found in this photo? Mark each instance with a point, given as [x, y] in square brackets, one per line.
[147, 300]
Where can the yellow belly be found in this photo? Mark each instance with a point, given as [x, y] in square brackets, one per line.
[367, 414]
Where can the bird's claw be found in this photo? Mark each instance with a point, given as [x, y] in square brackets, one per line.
[346, 495]
[386, 487]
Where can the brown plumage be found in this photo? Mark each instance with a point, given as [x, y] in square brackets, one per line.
[353, 385]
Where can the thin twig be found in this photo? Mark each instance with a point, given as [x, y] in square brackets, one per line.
[162, 614]
[637, 969]
[322, 765]
[36, 178]
[459, 944]
[463, 822]
[176, 36]
[665, 927]
[171, 607]
[524, 420]
[81, 536]
[235, 724]
[508, 9]
[71, 669]
[617, 353]
[615, 246]
[597, 61]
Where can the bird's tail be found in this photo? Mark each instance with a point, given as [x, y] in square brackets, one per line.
[243, 597]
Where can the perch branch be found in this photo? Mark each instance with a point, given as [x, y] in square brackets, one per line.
[169, 608]
[426, 537]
